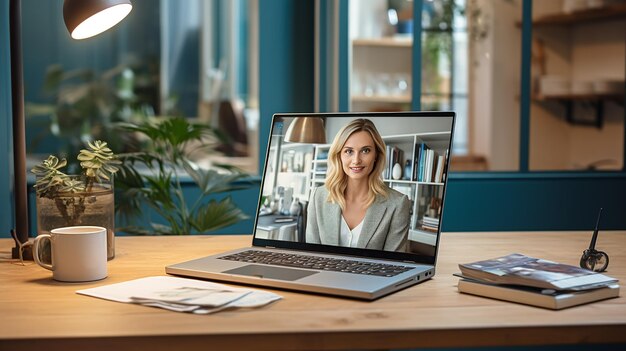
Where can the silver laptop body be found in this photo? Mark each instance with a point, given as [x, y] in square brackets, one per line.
[281, 257]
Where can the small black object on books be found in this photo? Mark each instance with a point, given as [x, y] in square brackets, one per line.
[537, 282]
[593, 259]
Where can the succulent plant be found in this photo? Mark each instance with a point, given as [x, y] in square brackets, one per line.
[69, 192]
[98, 161]
[49, 177]
[72, 186]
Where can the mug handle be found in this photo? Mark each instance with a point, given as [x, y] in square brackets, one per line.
[36, 245]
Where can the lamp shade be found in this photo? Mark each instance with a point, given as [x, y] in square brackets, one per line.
[86, 18]
[308, 130]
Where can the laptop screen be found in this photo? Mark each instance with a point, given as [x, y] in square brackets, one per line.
[366, 184]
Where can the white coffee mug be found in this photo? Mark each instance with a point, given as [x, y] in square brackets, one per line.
[79, 253]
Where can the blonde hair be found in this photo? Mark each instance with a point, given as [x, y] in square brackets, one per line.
[337, 180]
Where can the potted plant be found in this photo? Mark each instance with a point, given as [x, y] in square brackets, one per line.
[85, 199]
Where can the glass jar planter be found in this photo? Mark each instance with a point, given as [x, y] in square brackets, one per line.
[87, 204]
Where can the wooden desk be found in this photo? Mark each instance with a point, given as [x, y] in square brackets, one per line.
[37, 313]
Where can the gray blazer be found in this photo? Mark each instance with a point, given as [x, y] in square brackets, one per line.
[385, 226]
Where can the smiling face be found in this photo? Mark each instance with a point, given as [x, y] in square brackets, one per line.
[358, 155]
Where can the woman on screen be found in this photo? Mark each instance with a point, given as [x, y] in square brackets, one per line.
[355, 208]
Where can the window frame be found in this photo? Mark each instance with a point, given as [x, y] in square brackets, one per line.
[489, 214]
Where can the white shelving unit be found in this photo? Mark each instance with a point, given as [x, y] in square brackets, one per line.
[381, 73]
[290, 166]
[319, 165]
[295, 168]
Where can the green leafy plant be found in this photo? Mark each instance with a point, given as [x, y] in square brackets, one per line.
[153, 177]
[69, 192]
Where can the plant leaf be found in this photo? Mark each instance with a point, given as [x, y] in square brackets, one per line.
[217, 214]
[211, 181]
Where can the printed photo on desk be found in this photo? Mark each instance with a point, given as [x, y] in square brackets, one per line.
[308, 195]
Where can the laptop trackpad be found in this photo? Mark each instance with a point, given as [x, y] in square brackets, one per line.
[270, 272]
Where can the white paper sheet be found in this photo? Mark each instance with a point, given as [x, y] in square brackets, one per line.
[181, 295]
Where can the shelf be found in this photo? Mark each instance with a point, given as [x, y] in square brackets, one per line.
[597, 100]
[580, 97]
[385, 42]
[427, 136]
[422, 236]
[588, 15]
[399, 181]
[393, 99]
[289, 145]
[430, 183]
[302, 174]
[404, 181]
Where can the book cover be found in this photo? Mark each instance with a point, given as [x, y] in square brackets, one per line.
[420, 171]
[519, 269]
[429, 229]
[427, 160]
[445, 165]
[416, 161]
[431, 220]
[424, 166]
[389, 166]
[432, 157]
[439, 172]
[546, 298]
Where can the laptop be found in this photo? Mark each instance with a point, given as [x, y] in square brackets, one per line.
[305, 240]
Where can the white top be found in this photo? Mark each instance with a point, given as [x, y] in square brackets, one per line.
[349, 237]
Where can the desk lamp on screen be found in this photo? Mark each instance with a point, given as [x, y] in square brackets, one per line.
[83, 19]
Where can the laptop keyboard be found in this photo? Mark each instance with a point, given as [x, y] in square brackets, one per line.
[317, 262]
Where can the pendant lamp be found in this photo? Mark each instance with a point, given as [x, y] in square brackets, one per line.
[307, 130]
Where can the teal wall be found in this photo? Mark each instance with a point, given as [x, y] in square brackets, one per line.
[6, 139]
[183, 40]
[286, 45]
[534, 201]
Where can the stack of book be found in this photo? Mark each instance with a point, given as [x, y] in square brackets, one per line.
[430, 224]
[522, 279]
[428, 165]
